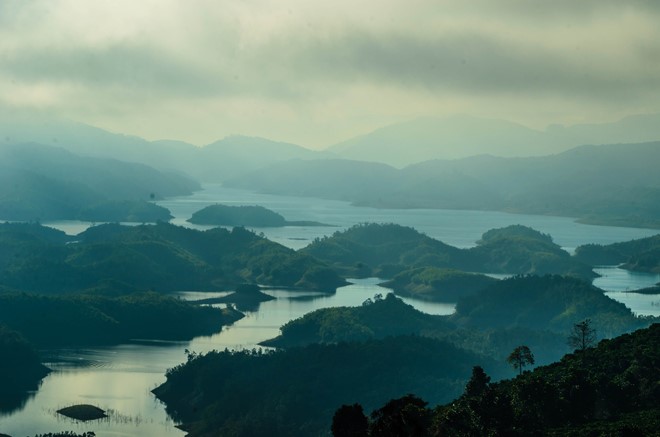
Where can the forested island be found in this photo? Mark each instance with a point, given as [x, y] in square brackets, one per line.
[88, 319]
[250, 216]
[111, 284]
[641, 255]
[536, 310]
[385, 250]
[160, 257]
[295, 392]
[282, 392]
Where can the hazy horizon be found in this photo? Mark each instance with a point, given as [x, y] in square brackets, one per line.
[316, 75]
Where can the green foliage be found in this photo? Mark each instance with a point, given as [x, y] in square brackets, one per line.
[536, 311]
[372, 246]
[638, 255]
[553, 303]
[523, 250]
[609, 390]
[159, 257]
[598, 389]
[350, 421]
[403, 417]
[86, 319]
[582, 336]
[387, 250]
[225, 215]
[333, 325]
[297, 390]
[478, 382]
[520, 357]
[514, 231]
[443, 285]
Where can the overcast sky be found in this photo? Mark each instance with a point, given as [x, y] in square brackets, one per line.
[317, 72]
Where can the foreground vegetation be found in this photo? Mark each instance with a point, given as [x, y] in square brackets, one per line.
[294, 392]
[604, 391]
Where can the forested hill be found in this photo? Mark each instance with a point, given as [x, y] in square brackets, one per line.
[639, 255]
[611, 184]
[610, 390]
[46, 183]
[294, 392]
[385, 250]
[159, 257]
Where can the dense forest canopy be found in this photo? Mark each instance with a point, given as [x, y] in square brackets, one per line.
[385, 250]
[294, 392]
[159, 257]
[641, 255]
[87, 319]
[608, 390]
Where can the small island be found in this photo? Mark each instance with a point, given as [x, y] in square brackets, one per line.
[255, 216]
[83, 412]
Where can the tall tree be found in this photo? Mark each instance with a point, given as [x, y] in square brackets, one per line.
[520, 357]
[582, 336]
[477, 383]
[403, 417]
[350, 421]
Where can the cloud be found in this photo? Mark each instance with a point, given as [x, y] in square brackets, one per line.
[298, 66]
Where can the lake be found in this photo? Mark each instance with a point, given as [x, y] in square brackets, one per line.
[119, 378]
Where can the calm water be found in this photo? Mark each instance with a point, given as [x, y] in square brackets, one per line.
[119, 379]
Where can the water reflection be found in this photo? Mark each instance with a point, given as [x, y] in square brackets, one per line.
[12, 402]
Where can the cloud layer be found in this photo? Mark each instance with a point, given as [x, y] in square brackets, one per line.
[316, 73]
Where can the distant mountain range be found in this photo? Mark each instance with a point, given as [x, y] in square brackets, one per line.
[214, 162]
[614, 184]
[397, 145]
[610, 184]
[460, 136]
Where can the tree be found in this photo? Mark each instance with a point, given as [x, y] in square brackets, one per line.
[582, 336]
[403, 417]
[350, 421]
[520, 357]
[477, 383]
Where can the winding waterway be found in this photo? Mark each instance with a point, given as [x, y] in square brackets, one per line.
[119, 378]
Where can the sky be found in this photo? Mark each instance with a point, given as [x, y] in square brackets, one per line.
[315, 73]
